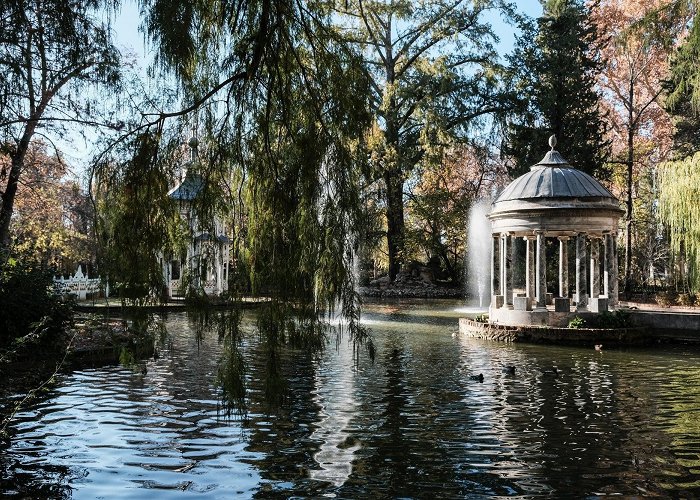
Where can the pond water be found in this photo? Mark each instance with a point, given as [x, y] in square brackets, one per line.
[410, 424]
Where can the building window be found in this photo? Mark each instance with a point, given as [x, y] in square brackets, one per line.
[175, 270]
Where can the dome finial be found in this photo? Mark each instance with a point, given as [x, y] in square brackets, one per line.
[193, 143]
[552, 141]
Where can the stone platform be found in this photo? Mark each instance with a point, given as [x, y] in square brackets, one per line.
[548, 316]
[553, 335]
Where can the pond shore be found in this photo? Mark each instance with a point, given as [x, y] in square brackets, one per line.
[647, 325]
[90, 342]
[114, 306]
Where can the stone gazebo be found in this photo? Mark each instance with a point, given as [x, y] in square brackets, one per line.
[553, 200]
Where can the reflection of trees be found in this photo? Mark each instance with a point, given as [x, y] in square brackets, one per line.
[386, 460]
[334, 392]
[53, 482]
[414, 423]
[581, 431]
[395, 446]
[492, 459]
[578, 425]
[676, 425]
[281, 434]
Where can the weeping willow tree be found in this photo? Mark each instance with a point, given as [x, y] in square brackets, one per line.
[137, 221]
[679, 209]
[283, 105]
[679, 180]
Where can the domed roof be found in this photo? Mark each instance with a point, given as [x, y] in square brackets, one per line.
[553, 177]
[556, 198]
[188, 189]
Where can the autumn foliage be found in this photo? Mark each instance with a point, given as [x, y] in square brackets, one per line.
[52, 218]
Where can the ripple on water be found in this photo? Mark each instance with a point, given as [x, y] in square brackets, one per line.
[410, 424]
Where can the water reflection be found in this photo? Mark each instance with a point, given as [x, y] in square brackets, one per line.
[334, 394]
[410, 424]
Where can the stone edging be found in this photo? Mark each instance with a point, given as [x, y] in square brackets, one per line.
[552, 335]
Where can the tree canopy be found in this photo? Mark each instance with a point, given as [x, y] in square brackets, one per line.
[679, 208]
[554, 70]
[636, 64]
[50, 53]
[433, 79]
[53, 217]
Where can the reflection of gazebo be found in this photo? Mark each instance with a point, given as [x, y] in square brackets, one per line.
[553, 200]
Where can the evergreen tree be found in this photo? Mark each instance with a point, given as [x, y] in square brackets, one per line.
[54, 57]
[679, 195]
[553, 72]
[683, 95]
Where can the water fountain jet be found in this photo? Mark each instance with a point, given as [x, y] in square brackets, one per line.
[478, 250]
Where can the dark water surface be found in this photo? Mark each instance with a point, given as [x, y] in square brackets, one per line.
[411, 424]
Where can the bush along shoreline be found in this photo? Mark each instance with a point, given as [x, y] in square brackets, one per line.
[415, 284]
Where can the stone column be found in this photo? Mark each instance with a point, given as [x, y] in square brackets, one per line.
[595, 267]
[494, 256]
[501, 283]
[563, 266]
[607, 264]
[530, 267]
[541, 272]
[502, 267]
[508, 271]
[613, 299]
[581, 296]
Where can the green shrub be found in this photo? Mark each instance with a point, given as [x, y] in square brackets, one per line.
[577, 322]
[605, 319]
[617, 319]
[28, 302]
[481, 318]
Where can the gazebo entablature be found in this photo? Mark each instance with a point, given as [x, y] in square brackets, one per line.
[554, 200]
[561, 226]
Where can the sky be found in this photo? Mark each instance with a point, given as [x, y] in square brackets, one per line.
[126, 28]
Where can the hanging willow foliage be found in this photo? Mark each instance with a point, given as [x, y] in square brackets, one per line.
[136, 220]
[280, 103]
[679, 209]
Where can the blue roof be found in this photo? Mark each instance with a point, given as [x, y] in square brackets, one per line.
[188, 189]
[553, 177]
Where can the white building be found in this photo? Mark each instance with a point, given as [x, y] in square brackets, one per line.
[205, 265]
[558, 202]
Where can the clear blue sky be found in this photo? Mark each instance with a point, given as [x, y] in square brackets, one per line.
[126, 28]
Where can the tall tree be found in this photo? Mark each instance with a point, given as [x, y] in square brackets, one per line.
[433, 75]
[679, 205]
[554, 70]
[53, 217]
[679, 199]
[683, 88]
[636, 63]
[281, 100]
[683, 94]
[52, 55]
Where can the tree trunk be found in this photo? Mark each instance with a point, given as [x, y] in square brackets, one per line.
[8, 197]
[630, 165]
[394, 220]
